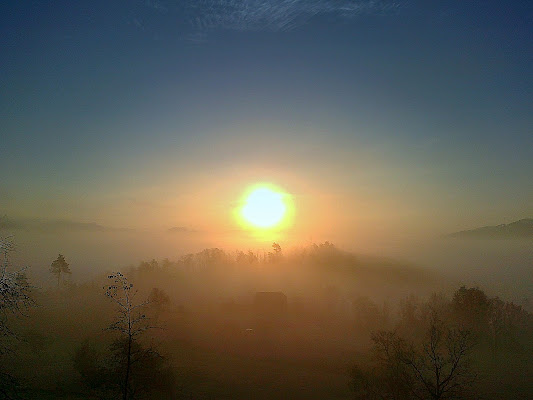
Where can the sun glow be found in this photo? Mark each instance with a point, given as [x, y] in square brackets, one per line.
[264, 207]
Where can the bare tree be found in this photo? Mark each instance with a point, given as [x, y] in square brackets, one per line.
[131, 322]
[14, 289]
[14, 300]
[435, 369]
[440, 368]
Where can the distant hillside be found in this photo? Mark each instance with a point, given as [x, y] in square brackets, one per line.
[51, 226]
[514, 230]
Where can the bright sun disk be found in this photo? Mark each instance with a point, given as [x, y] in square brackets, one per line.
[264, 208]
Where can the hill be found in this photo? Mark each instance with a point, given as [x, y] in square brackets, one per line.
[516, 230]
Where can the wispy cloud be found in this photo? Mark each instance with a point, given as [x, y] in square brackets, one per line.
[276, 15]
[263, 15]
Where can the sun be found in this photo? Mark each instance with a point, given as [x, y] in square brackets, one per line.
[264, 207]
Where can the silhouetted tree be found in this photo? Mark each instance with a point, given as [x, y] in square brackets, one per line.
[14, 300]
[131, 322]
[510, 326]
[471, 307]
[435, 369]
[150, 376]
[440, 367]
[14, 288]
[246, 258]
[276, 253]
[59, 266]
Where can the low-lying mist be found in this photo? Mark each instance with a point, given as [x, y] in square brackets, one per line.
[308, 322]
[501, 266]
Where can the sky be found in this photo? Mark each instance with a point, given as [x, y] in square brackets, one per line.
[377, 117]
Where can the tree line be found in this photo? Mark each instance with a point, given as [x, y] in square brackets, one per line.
[439, 348]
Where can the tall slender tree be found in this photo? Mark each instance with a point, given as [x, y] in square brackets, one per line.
[130, 323]
[59, 266]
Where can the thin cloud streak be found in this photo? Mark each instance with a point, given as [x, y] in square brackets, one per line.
[272, 15]
[264, 15]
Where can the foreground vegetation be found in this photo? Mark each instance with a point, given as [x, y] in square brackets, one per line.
[352, 327]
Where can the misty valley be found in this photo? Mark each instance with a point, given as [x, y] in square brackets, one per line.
[266, 199]
[313, 322]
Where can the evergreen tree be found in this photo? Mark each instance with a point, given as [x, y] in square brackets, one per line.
[59, 266]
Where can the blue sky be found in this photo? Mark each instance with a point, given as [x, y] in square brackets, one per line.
[422, 110]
